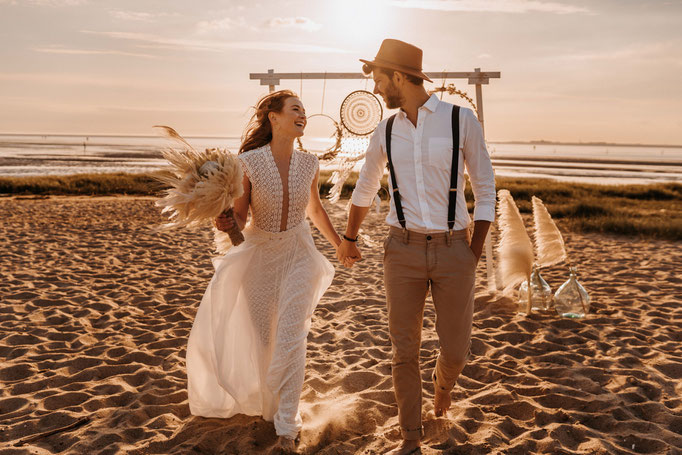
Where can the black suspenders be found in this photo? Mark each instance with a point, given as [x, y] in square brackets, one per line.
[454, 173]
[452, 197]
[396, 193]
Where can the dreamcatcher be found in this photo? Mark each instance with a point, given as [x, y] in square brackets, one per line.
[331, 152]
[360, 114]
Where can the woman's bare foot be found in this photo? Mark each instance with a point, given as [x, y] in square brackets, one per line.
[408, 447]
[287, 445]
[441, 400]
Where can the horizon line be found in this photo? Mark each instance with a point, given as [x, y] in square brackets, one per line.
[200, 136]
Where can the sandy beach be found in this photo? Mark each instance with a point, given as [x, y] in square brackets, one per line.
[96, 308]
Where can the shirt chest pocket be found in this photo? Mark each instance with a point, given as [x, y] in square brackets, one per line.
[440, 153]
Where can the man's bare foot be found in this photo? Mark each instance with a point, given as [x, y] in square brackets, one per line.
[287, 445]
[441, 400]
[408, 447]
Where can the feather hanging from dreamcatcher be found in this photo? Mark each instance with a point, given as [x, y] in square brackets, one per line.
[343, 169]
[549, 242]
[514, 249]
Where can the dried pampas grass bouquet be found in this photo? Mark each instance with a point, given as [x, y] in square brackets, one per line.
[202, 185]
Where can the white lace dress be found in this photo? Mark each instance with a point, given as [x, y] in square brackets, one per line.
[247, 348]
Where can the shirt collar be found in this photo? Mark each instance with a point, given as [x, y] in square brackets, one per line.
[431, 104]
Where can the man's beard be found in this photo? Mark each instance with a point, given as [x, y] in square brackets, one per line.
[393, 97]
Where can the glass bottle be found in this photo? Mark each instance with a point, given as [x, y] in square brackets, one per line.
[571, 299]
[541, 293]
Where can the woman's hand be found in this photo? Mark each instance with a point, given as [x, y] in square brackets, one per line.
[224, 223]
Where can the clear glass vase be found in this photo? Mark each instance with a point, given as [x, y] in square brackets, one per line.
[571, 299]
[541, 293]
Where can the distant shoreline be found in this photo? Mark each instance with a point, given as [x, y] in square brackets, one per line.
[533, 142]
[152, 136]
[594, 144]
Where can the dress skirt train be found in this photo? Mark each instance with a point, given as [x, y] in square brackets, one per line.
[247, 348]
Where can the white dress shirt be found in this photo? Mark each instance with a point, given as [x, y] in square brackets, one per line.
[422, 161]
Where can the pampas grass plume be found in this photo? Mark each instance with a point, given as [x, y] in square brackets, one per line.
[514, 249]
[195, 197]
[548, 240]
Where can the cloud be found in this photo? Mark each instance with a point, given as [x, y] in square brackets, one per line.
[154, 41]
[133, 16]
[636, 52]
[187, 109]
[54, 3]
[490, 6]
[41, 104]
[140, 16]
[80, 79]
[226, 23]
[62, 50]
[302, 23]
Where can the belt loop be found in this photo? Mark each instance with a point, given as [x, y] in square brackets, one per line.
[448, 237]
[406, 236]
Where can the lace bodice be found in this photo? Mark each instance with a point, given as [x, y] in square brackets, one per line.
[267, 191]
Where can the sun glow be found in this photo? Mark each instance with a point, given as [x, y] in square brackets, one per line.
[361, 21]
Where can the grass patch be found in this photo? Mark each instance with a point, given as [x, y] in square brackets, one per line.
[581, 210]
[652, 211]
[81, 185]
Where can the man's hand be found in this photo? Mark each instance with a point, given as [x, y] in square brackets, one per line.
[476, 249]
[347, 253]
[478, 239]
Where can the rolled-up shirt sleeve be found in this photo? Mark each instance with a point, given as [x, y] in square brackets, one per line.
[479, 167]
[369, 180]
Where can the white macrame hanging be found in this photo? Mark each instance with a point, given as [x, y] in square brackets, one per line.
[360, 114]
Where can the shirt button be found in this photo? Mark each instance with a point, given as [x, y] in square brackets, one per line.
[428, 237]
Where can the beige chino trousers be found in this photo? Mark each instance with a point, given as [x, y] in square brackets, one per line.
[413, 263]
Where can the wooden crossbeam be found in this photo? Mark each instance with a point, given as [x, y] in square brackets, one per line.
[474, 77]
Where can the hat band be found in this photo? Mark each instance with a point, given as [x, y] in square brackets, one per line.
[380, 61]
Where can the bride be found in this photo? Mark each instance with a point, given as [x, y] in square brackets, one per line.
[247, 348]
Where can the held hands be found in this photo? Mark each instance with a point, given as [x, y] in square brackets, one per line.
[347, 253]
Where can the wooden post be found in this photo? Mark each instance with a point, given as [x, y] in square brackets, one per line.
[479, 101]
[271, 86]
[489, 260]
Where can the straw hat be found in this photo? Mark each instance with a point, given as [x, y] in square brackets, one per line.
[399, 56]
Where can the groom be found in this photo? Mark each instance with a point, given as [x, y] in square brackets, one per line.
[428, 245]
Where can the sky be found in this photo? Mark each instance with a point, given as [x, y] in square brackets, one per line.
[571, 70]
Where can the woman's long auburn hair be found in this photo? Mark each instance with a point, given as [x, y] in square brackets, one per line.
[259, 130]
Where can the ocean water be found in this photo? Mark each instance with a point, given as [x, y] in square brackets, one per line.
[32, 155]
